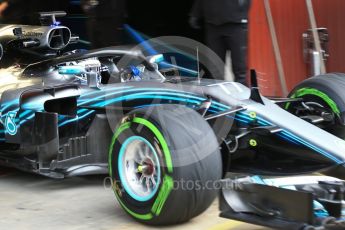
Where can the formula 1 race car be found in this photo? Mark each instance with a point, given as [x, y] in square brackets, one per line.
[169, 142]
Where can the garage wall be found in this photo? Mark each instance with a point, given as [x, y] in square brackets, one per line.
[331, 14]
[261, 56]
[291, 21]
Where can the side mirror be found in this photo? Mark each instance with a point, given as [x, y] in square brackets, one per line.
[155, 66]
[155, 58]
[71, 70]
[93, 80]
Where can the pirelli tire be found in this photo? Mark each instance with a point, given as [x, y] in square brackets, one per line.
[176, 150]
[328, 92]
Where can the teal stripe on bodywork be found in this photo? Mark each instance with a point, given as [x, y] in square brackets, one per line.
[174, 95]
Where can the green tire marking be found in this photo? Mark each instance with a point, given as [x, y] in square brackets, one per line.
[148, 216]
[122, 128]
[167, 181]
[311, 91]
[160, 138]
[168, 185]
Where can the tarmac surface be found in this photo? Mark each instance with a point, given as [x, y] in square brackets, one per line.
[32, 202]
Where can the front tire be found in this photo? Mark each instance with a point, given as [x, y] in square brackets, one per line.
[324, 93]
[165, 163]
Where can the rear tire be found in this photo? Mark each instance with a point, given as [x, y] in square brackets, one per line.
[182, 157]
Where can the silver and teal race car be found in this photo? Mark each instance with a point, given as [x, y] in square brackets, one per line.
[170, 142]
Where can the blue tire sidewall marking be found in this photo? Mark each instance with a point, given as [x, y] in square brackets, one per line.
[123, 180]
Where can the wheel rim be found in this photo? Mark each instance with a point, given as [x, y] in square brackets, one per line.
[139, 168]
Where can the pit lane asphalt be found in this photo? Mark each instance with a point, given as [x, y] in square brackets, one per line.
[33, 202]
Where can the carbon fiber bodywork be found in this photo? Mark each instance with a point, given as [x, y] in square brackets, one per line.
[56, 116]
[51, 119]
[28, 102]
[60, 111]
